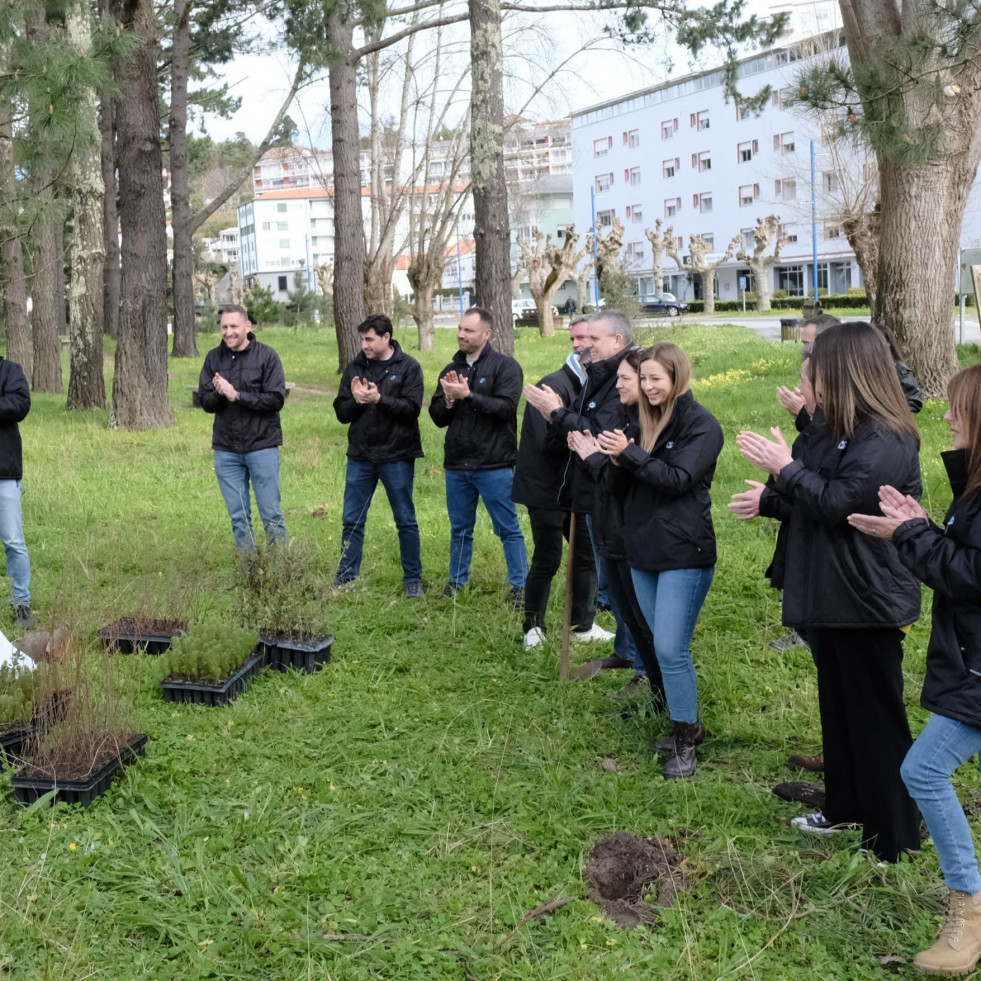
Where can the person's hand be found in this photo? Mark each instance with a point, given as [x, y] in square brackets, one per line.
[583, 444]
[224, 387]
[455, 387]
[544, 399]
[791, 399]
[874, 525]
[897, 505]
[613, 442]
[359, 390]
[746, 504]
[771, 456]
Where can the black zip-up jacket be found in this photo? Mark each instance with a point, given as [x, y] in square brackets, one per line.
[948, 560]
[481, 430]
[15, 403]
[385, 431]
[668, 512]
[612, 484]
[835, 576]
[543, 455]
[596, 409]
[251, 422]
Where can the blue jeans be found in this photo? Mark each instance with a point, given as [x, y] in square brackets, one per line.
[494, 486]
[671, 602]
[14, 547]
[623, 643]
[941, 748]
[234, 472]
[359, 488]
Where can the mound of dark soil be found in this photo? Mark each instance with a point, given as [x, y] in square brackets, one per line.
[625, 868]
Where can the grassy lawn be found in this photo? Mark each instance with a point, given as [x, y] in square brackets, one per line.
[395, 816]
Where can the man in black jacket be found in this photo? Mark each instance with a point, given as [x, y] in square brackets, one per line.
[476, 400]
[243, 384]
[381, 396]
[15, 403]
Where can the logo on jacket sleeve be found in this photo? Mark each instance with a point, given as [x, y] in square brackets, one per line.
[669, 445]
[481, 381]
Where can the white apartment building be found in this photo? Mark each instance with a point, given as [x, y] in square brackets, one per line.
[680, 152]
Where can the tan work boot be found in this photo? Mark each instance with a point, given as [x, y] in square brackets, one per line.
[958, 948]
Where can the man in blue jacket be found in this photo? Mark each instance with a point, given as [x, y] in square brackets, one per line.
[381, 396]
[243, 384]
[476, 401]
[15, 403]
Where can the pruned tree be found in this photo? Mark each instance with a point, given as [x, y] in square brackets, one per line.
[549, 265]
[208, 279]
[765, 233]
[660, 238]
[700, 251]
[582, 276]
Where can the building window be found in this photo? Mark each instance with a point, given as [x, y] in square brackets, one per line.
[602, 147]
[788, 233]
[700, 120]
[702, 202]
[671, 207]
[281, 208]
[603, 182]
[749, 242]
[631, 139]
[668, 128]
[785, 98]
[709, 239]
[791, 279]
[783, 142]
[748, 194]
[284, 243]
[701, 161]
[830, 182]
[632, 176]
[742, 113]
[605, 218]
[281, 281]
[785, 190]
[282, 226]
[267, 226]
[745, 151]
[679, 243]
[832, 230]
[669, 168]
[635, 251]
[635, 212]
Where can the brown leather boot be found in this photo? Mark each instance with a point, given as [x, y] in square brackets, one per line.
[958, 948]
[682, 762]
[665, 745]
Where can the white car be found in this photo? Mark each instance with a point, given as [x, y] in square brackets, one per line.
[523, 307]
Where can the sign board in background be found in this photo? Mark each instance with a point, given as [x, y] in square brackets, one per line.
[969, 258]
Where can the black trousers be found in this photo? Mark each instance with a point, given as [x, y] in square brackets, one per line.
[866, 735]
[549, 531]
[621, 585]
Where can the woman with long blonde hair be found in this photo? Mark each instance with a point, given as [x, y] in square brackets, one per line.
[850, 593]
[668, 532]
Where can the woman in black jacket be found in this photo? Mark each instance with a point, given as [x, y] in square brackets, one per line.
[668, 534]
[948, 559]
[849, 592]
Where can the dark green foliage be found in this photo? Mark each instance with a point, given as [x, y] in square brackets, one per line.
[212, 650]
[260, 303]
[16, 697]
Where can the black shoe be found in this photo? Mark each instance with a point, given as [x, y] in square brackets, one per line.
[451, 589]
[665, 746]
[811, 794]
[681, 763]
[414, 590]
[23, 617]
[518, 597]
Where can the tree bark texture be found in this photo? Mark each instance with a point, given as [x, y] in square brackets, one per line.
[180, 185]
[110, 220]
[492, 233]
[86, 380]
[47, 264]
[349, 244]
[12, 282]
[139, 392]
[425, 274]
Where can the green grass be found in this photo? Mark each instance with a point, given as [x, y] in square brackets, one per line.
[435, 782]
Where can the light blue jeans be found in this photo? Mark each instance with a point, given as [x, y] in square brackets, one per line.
[235, 471]
[14, 546]
[463, 487]
[941, 748]
[671, 602]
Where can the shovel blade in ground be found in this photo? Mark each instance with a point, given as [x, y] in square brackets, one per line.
[583, 672]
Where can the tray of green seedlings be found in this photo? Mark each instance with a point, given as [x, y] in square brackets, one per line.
[211, 664]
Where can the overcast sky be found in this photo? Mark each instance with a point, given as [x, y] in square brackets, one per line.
[532, 50]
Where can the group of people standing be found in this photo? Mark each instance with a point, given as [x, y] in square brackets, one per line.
[615, 442]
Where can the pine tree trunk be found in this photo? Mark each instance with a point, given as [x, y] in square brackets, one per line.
[12, 282]
[86, 381]
[922, 211]
[180, 185]
[139, 391]
[111, 272]
[47, 264]
[492, 233]
[349, 244]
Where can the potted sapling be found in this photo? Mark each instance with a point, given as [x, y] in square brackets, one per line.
[211, 664]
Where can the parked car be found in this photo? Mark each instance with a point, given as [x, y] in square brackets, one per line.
[662, 305]
[525, 307]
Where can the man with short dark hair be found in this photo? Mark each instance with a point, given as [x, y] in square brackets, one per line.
[476, 401]
[243, 385]
[381, 396]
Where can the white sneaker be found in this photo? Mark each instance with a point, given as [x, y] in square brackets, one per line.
[534, 639]
[595, 632]
[817, 823]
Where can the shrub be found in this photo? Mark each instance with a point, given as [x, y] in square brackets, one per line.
[779, 294]
[857, 291]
